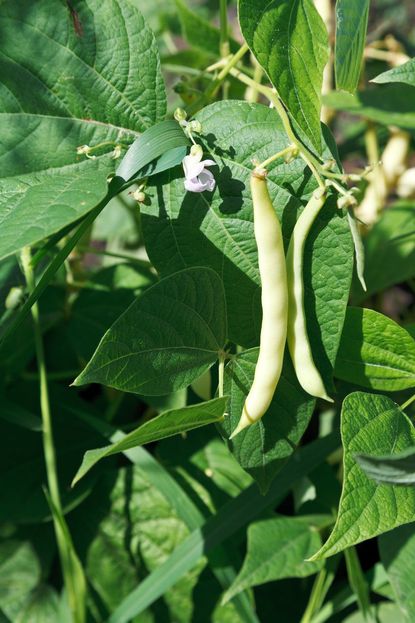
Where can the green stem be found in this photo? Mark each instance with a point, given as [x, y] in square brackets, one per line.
[311, 161]
[358, 583]
[77, 605]
[215, 85]
[224, 32]
[407, 403]
[280, 154]
[315, 598]
[48, 445]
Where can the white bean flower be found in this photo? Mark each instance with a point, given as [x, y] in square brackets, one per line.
[198, 178]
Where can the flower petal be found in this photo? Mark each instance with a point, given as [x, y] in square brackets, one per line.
[194, 185]
[207, 180]
[192, 166]
[208, 163]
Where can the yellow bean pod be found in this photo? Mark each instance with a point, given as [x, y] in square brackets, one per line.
[297, 337]
[274, 300]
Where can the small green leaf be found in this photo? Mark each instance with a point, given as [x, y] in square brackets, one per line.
[389, 104]
[166, 339]
[164, 425]
[394, 469]
[351, 25]
[277, 548]
[152, 144]
[397, 553]
[370, 424]
[403, 73]
[263, 448]
[290, 41]
[375, 352]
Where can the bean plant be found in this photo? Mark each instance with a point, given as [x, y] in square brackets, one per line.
[207, 323]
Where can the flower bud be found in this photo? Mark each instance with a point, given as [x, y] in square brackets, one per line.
[196, 151]
[180, 114]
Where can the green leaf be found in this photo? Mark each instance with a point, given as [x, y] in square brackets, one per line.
[184, 507]
[277, 548]
[164, 425]
[153, 143]
[397, 553]
[351, 26]
[232, 516]
[44, 185]
[199, 32]
[398, 469]
[58, 91]
[390, 249]
[375, 352]
[290, 41]
[370, 424]
[19, 574]
[216, 229]
[167, 338]
[129, 540]
[403, 73]
[263, 448]
[106, 295]
[390, 104]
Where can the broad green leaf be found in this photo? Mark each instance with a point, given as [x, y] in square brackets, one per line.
[164, 425]
[390, 249]
[23, 598]
[351, 26]
[397, 553]
[167, 338]
[290, 41]
[389, 104]
[370, 424]
[44, 184]
[403, 73]
[106, 295]
[232, 516]
[277, 548]
[153, 143]
[263, 448]
[59, 90]
[199, 32]
[385, 612]
[375, 352]
[135, 533]
[216, 229]
[20, 573]
[203, 460]
[398, 469]
[42, 606]
[223, 467]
